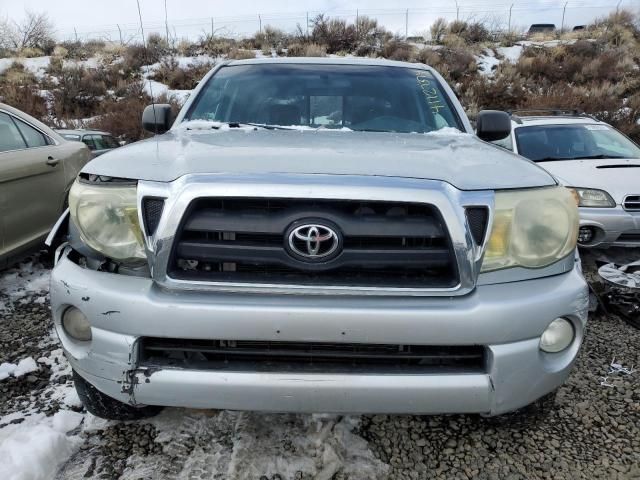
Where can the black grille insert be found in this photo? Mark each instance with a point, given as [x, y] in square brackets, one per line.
[151, 212]
[632, 203]
[383, 244]
[267, 356]
[477, 218]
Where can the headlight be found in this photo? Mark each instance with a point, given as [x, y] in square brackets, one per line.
[107, 218]
[531, 228]
[590, 197]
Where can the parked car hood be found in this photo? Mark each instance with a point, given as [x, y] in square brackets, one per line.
[459, 159]
[618, 177]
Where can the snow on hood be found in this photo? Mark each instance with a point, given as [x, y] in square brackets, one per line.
[450, 156]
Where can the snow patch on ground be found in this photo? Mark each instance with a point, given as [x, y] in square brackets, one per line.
[487, 62]
[36, 65]
[34, 448]
[24, 281]
[24, 366]
[156, 89]
[250, 445]
[511, 54]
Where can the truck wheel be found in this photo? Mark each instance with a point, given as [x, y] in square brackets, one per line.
[103, 406]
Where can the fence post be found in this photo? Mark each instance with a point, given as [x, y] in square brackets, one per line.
[509, 28]
[260, 22]
[120, 33]
[166, 21]
[563, 10]
[211, 27]
[406, 25]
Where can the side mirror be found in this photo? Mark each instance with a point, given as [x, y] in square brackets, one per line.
[157, 118]
[493, 125]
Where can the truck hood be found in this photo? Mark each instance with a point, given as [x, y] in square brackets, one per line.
[618, 177]
[450, 156]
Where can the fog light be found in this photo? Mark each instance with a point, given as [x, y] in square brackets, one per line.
[558, 336]
[76, 325]
[585, 234]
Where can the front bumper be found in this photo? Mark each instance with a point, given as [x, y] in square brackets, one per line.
[507, 319]
[614, 226]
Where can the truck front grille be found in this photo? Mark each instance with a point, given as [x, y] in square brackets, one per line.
[248, 240]
[266, 356]
[632, 203]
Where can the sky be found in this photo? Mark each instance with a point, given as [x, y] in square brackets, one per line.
[190, 18]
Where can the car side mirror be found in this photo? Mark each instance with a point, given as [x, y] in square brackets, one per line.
[493, 125]
[157, 118]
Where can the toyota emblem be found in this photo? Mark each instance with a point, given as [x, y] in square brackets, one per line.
[313, 241]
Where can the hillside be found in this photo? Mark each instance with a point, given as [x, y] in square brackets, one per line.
[106, 86]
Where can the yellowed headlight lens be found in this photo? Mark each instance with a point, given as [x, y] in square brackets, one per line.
[107, 218]
[531, 228]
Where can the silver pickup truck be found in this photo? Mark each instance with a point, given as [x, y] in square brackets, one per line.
[318, 235]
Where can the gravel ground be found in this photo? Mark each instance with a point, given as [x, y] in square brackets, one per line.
[593, 431]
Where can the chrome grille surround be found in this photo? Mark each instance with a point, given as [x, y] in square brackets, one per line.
[450, 202]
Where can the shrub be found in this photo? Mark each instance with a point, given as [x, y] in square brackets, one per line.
[438, 30]
[78, 92]
[336, 34]
[26, 98]
[121, 116]
[315, 50]
[156, 48]
[216, 46]
[178, 78]
[271, 37]
[397, 50]
[239, 54]
[475, 32]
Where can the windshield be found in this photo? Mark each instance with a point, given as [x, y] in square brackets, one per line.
[367, 98]
[569, 142]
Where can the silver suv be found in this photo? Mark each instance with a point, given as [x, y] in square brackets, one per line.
[600, 164]
[318, 235]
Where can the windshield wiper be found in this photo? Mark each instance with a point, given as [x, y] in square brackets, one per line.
[259, 125]
[217, 125]
[600, 156]
[552, 159]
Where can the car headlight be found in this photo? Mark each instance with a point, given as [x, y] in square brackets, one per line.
[531, 228]
[591, 197]
[107, 219]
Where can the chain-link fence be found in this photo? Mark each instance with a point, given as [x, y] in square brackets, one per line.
[497, 16]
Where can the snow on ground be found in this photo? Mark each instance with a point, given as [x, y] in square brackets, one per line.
[36, 65]
[35, 447]
[511, 54]
[26, 280]
[156, 89]
[24, 366]
[32, 444]
[487, 62]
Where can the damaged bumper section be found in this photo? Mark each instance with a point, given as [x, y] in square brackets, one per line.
[477, 353]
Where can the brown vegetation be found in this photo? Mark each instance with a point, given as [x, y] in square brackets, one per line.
[596, 70]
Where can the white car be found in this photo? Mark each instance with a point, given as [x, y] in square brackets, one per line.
[599, 162]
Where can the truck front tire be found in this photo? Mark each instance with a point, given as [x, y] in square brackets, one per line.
[103, 406]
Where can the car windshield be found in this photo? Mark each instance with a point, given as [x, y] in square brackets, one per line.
[357, 97]
[569, 142]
